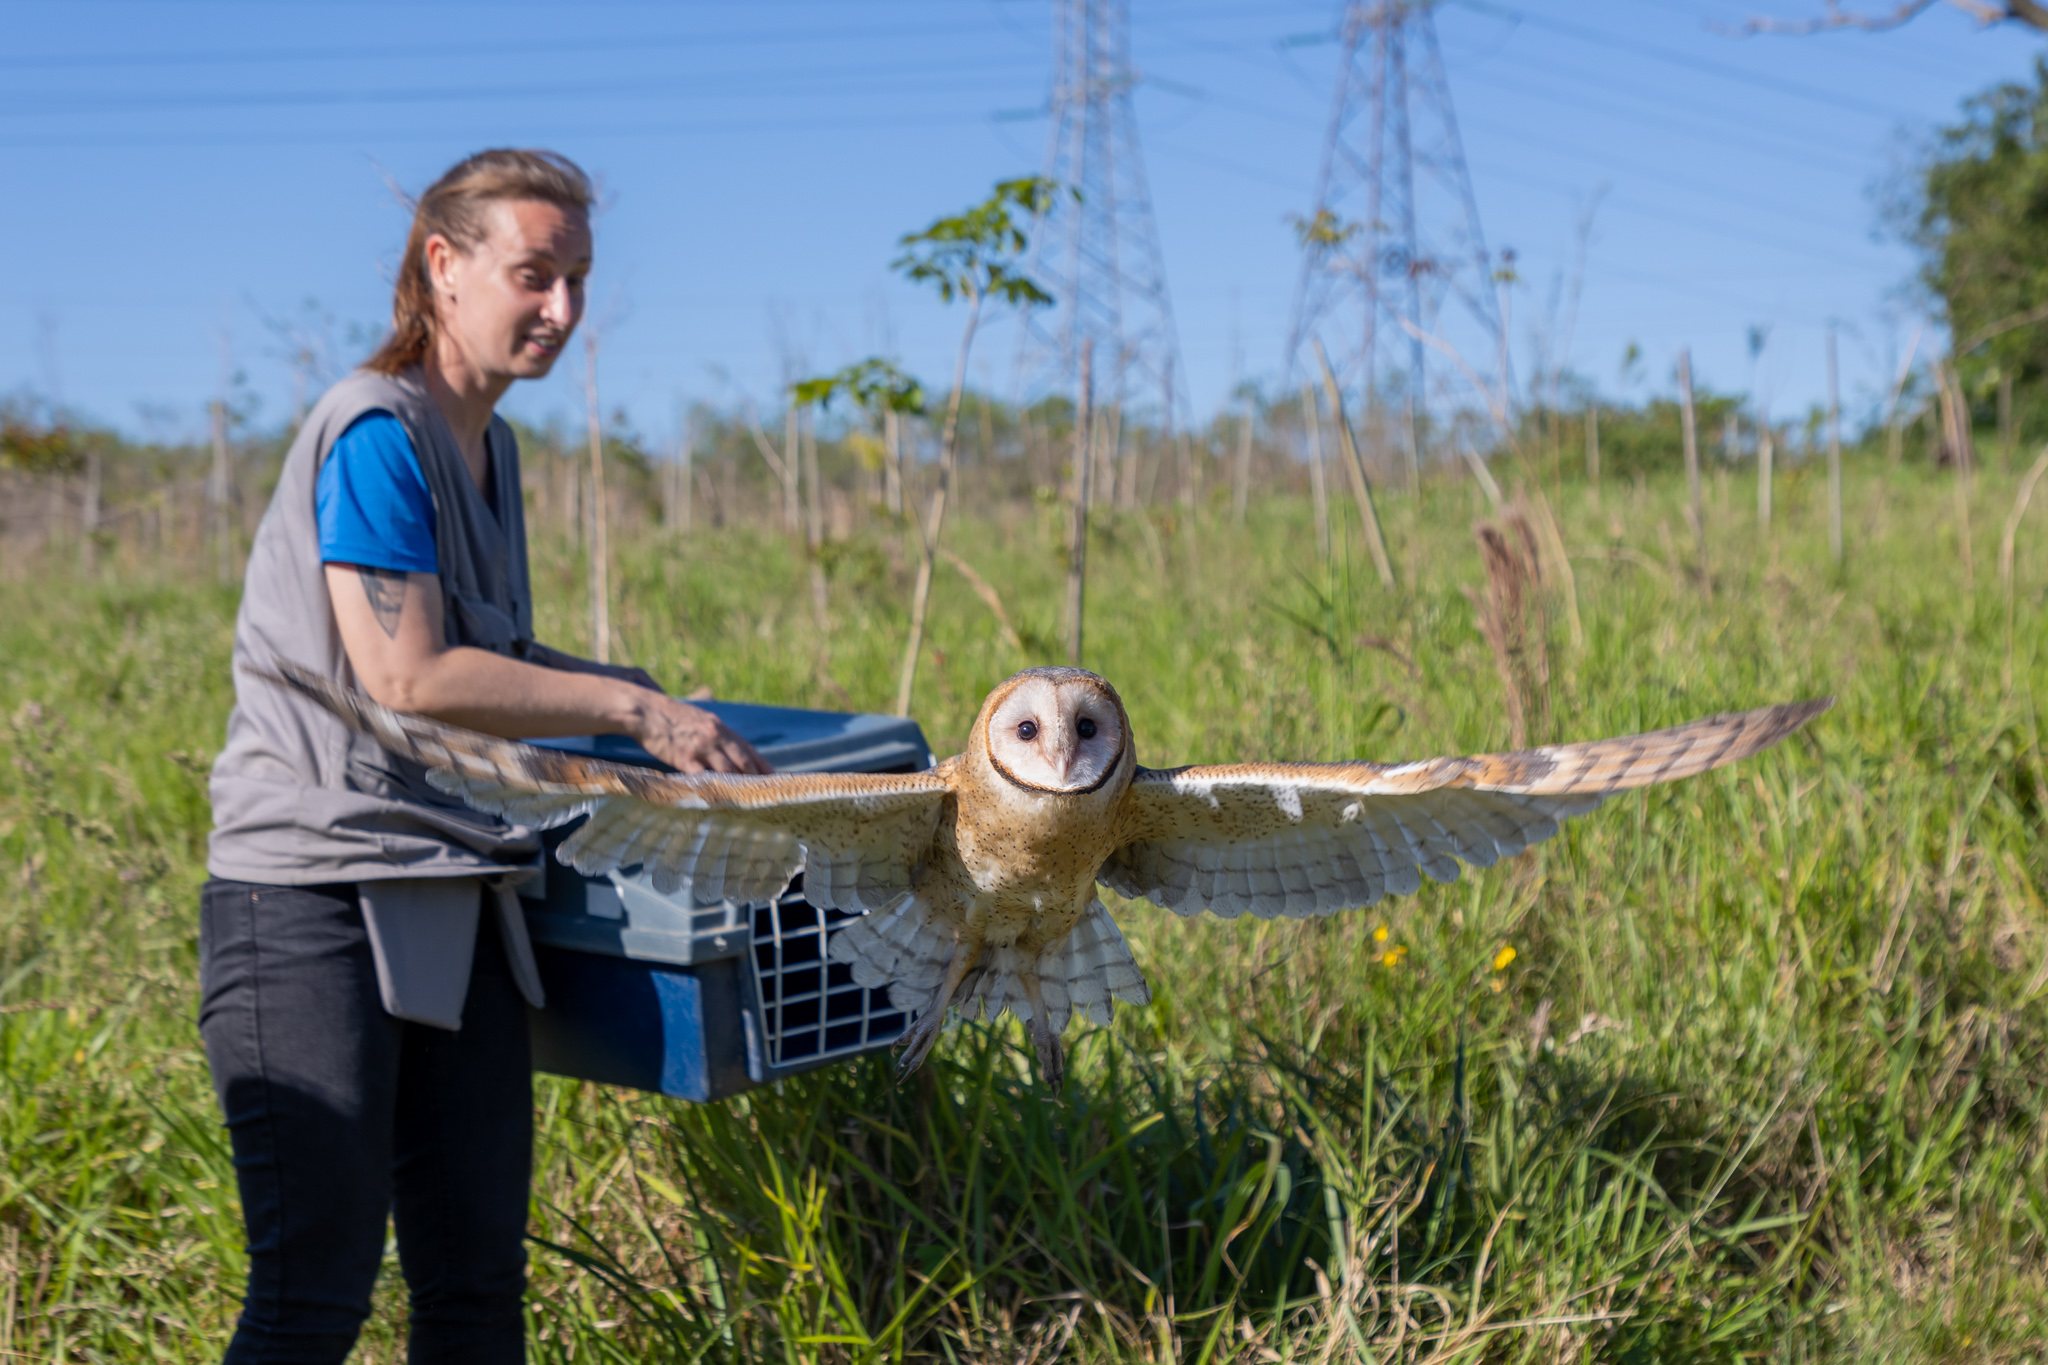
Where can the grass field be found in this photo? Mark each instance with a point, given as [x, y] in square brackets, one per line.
[1762, 1079]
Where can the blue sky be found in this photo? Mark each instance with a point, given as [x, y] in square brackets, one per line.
[185, 177]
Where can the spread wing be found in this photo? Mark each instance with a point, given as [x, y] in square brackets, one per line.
[856, 837]
[1303, 839]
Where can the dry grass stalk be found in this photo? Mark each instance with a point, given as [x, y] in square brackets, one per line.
[1552, 539]
[1955, 424]
[1483, 476]
[1318, 487]
[1512, 618]
[1361, 487]
[989, 596]
[784, 472]
[2006, 547]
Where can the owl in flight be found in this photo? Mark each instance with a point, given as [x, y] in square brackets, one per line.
[975, 881]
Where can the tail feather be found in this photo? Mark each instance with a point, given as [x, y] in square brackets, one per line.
[899, 946]
[1093, 968]
[1084, 973]
[902, 946]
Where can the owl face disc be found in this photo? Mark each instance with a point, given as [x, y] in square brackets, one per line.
[1060, 731]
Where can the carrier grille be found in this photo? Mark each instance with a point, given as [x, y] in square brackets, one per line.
[811, 1009]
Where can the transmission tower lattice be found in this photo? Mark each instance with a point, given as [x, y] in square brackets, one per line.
[1099, 255]
[1395, 231]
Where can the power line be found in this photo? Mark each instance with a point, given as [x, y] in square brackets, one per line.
[1775, 148]
[1692, 183]
[1657, 52]
[629, 43]
[1655, 176]
[1568, 192]
[413, 133]
[412, 52]
[748, 82]
[1605, 78]
[1693, 221]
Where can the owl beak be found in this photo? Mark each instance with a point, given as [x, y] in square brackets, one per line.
[1064, 756]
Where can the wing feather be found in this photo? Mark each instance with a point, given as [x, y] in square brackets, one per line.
[1302, 839]
[718, 835]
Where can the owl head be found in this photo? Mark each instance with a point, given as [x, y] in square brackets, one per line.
[1055, 731]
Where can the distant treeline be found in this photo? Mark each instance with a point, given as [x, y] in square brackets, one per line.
[73, 485]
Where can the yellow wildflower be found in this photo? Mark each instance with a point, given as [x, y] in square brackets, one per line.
[1502, 958]
[1393, 956]
[1379, 935]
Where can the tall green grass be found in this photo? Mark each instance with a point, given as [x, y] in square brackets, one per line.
[1762, 1079]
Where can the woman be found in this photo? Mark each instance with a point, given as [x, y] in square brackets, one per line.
[362, 957]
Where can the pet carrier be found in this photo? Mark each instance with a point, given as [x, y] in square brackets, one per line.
[702, 999]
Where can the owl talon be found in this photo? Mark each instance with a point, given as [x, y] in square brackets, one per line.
[914, 1044]
[1052, 1057]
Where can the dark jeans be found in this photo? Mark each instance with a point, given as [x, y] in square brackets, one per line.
[340, 1113]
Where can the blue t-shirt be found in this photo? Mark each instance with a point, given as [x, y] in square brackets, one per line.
[372, 500]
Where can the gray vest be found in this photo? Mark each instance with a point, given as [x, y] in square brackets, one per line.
[298, 798]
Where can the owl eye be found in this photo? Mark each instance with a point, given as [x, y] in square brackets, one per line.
[1027, 730]
[1085, 727]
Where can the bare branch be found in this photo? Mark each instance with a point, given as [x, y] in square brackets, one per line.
[775, 461]
[2028, 12]
[2002, 326]
[1891, 408]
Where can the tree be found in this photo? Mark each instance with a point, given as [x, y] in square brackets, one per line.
[40, 447]
[971, 256]
[886, 395]
[1977, 209]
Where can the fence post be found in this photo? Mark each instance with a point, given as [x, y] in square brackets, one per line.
[1318, 484]
[600, 568]
[2005, 427]
[1834, 458]
[217, 494]
[1593, 449]
[1077, 551]
[1692, 464]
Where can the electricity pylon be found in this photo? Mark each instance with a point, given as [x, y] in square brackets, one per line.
[1395, 230]
[1099, 254]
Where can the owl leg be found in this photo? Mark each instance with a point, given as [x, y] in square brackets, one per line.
[1045, 1039]
[916, 1042]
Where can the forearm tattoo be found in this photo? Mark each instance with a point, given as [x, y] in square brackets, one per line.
[386, 590]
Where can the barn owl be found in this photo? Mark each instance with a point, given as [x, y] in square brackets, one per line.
[975, 881]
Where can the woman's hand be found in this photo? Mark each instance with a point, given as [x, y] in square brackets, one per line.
[691, 740]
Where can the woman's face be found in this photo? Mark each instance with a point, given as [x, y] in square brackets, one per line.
[509, 303]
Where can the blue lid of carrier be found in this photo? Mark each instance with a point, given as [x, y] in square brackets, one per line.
[794, 740]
